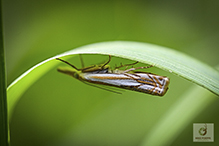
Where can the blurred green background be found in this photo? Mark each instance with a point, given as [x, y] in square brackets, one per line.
[59, 110]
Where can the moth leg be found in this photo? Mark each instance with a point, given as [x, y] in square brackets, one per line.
[126, 65]
[131, 69]
[82, 62]
[106, 62]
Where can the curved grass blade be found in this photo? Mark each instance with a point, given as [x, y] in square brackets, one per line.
[161, 57]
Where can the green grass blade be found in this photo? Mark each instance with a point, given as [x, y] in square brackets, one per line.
[161, 57]
[3, 96]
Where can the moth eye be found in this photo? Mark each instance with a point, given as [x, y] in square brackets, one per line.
[76, 75]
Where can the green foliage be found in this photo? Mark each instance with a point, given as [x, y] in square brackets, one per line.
[177, 117]
[49, 108]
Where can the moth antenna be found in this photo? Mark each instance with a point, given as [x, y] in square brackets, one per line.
[67, 63]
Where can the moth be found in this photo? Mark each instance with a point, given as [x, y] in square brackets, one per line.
[129, 79]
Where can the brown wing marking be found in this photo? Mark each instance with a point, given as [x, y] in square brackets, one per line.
[155, 85]
[150, 82]
[140, 81]
[160, 85]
